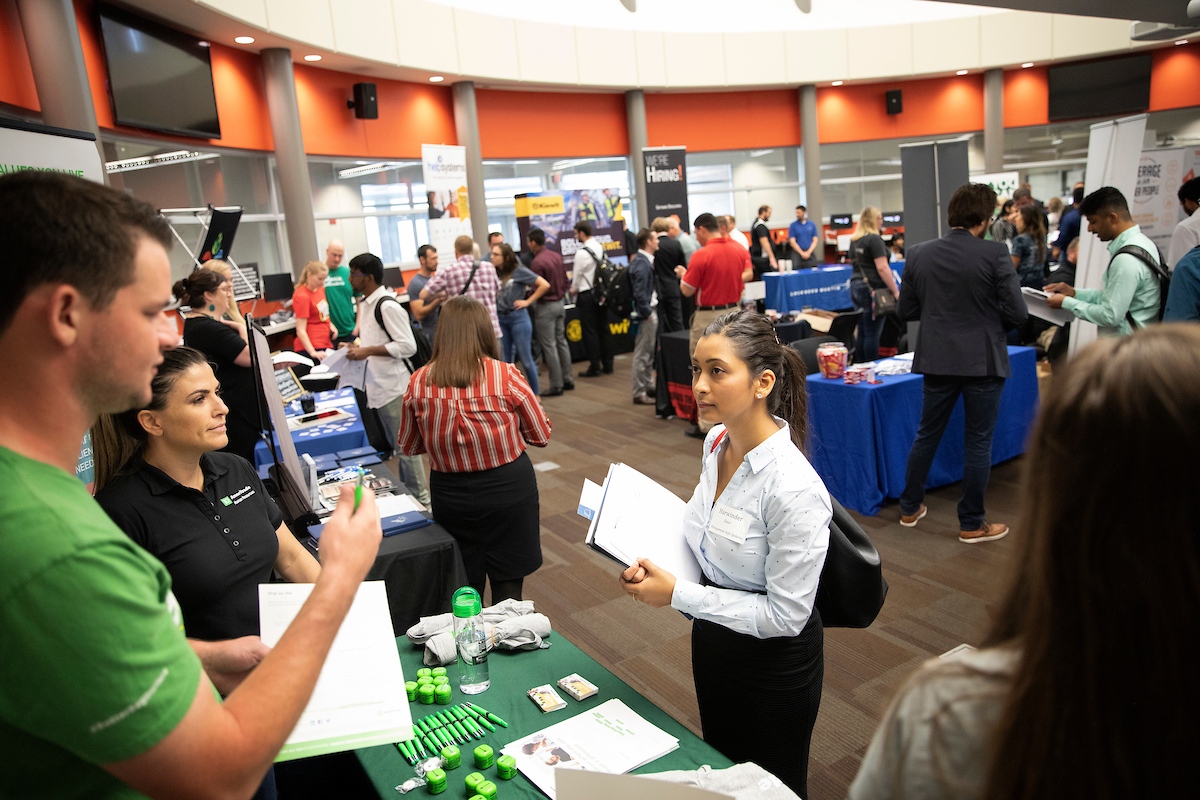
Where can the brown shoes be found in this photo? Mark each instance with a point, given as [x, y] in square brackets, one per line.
[989, 532]
[911, 520]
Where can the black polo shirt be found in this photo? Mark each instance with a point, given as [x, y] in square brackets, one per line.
[218, 545]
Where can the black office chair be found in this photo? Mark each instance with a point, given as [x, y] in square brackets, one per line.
[807, 348]
[843, 325]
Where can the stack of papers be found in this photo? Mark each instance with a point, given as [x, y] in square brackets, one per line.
[1035, 301]
[637, 518]
[609, 738]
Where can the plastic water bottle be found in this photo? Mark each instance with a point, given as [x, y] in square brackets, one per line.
[471, 641]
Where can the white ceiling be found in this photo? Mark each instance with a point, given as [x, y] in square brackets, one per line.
[1174, 11]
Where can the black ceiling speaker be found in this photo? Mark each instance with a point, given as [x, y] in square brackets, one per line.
[365, 103]
[895, 103]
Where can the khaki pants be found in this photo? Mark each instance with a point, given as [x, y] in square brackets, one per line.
[700, 321]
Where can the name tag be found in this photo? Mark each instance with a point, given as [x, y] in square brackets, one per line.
[729, 523]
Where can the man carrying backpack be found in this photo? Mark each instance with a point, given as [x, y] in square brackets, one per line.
[593, 317]
[386, 341]
[1131, 296]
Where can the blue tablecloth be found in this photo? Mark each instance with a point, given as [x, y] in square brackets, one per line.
[343, 434]
[860, 434]
[825, 287]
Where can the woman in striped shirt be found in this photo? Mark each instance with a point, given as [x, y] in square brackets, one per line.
[474, 414]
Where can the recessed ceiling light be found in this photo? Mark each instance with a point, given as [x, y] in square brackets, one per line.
[1182, 41]
[436, 79]
[838, 83]
[244, 39]
[961, 72]
[312, 57]
[202, 43]
[1027, 65]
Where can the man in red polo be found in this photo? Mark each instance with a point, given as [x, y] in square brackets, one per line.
[715, 275]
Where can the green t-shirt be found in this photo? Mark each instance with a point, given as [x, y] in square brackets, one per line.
[94, 666]
[340, 295]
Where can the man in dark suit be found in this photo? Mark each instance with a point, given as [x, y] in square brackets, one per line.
[967, 296]
[668, 256]
[641, 279]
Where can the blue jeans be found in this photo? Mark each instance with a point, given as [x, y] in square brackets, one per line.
[866, 343]
[981, 404]
[517, 328]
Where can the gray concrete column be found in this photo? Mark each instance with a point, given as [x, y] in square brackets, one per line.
[59, 72]
[993, 120]
[466, 125]
[291, 162]
[811, 143]
[635, 121]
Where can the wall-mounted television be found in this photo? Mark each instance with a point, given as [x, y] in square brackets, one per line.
[1104, 88]
[841, 221]
[158, 78]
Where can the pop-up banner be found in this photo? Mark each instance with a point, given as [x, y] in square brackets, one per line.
[666, 183]
[445, 170]
[1155, 204]
[557, 212]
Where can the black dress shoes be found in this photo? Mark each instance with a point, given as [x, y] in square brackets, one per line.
[550, 393]
[590, 373]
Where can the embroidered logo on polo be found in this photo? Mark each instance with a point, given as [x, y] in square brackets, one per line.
[244, 493]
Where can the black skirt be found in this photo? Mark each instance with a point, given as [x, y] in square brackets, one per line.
[494, 516]
[759, 698]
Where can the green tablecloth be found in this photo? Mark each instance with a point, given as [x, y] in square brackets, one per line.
[512, 675]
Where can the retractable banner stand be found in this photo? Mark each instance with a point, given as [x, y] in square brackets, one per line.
[1114, 154]
[25, 146]
[666, 183]
[1155, 203]
[445, 170]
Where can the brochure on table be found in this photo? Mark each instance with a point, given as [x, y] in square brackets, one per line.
[579, 785]
[608, 738]
[356, 702]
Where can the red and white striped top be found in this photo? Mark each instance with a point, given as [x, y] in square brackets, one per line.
[467, 430]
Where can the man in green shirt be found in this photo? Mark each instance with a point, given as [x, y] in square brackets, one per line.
[339, 293]
[100, 693]
[1130, 288]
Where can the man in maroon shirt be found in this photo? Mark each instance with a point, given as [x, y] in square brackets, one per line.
[715, 276]
[549, 315]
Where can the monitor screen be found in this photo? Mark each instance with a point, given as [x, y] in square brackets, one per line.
[278, 287]
[1100, 88]
[839, 221]
[893, 218]
[158, 78]
[392, 278]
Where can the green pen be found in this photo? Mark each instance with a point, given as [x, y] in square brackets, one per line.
[405, 752]
[420, 748]
[430, 745]
[458, 726]
[490, 715]
[480, 720]
[358, 484]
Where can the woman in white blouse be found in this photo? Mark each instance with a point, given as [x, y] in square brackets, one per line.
[758, 523]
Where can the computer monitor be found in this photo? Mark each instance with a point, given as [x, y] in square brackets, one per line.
[278, 287]
[392, 278]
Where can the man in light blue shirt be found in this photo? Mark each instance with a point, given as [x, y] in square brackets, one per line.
[1130, 288]
[802, 238]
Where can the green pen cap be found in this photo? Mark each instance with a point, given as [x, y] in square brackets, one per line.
[484, 756]
[472, 782]
[425, 694]
[411, 688]
[442, 694]
[452, 756]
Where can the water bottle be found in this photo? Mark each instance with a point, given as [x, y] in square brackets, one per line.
[471, 641]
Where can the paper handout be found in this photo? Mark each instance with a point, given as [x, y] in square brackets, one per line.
[359, 699]
[1035, 301]
[638, 518]
[573, 784]
[350, 373]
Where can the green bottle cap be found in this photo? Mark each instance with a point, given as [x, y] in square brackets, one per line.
[437, 672]
[411, 688]
[484, 756]
[424, 672]
[472, 782]
[506, 767]
[424, 680]
[438, 680]
[435, 781]
[442, 694]
[466, 603]
[452, 756]
[487, 790]
[425, 694]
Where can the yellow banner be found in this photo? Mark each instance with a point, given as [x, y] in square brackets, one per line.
[536, 206]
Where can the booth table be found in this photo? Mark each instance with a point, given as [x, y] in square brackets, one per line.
[825, 287]
[512, 675]
[860, 434]
[346, 433]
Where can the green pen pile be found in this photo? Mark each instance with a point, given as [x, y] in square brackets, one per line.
[457, 725]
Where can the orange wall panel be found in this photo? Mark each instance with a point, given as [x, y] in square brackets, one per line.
[1026, 97]
[16, 75]
[550, 124]
[932, 107]
[409, 114]
[1175, 78]
[706, 121]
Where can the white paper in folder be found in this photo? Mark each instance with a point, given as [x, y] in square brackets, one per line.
[640, 519]
[1035, 301]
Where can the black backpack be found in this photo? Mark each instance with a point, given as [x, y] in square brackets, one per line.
[424, 349]
[612, 287]
[1157, 269]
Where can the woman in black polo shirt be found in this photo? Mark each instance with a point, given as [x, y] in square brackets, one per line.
[204, 514]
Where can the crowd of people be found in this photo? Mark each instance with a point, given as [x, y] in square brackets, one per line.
[181, 531]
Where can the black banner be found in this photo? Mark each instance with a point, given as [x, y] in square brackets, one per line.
[666, 183]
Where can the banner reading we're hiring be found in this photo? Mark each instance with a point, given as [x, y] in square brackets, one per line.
[445, 171]
[666, 183]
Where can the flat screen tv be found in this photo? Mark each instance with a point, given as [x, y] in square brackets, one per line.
[1100, 88]
[158, 78]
